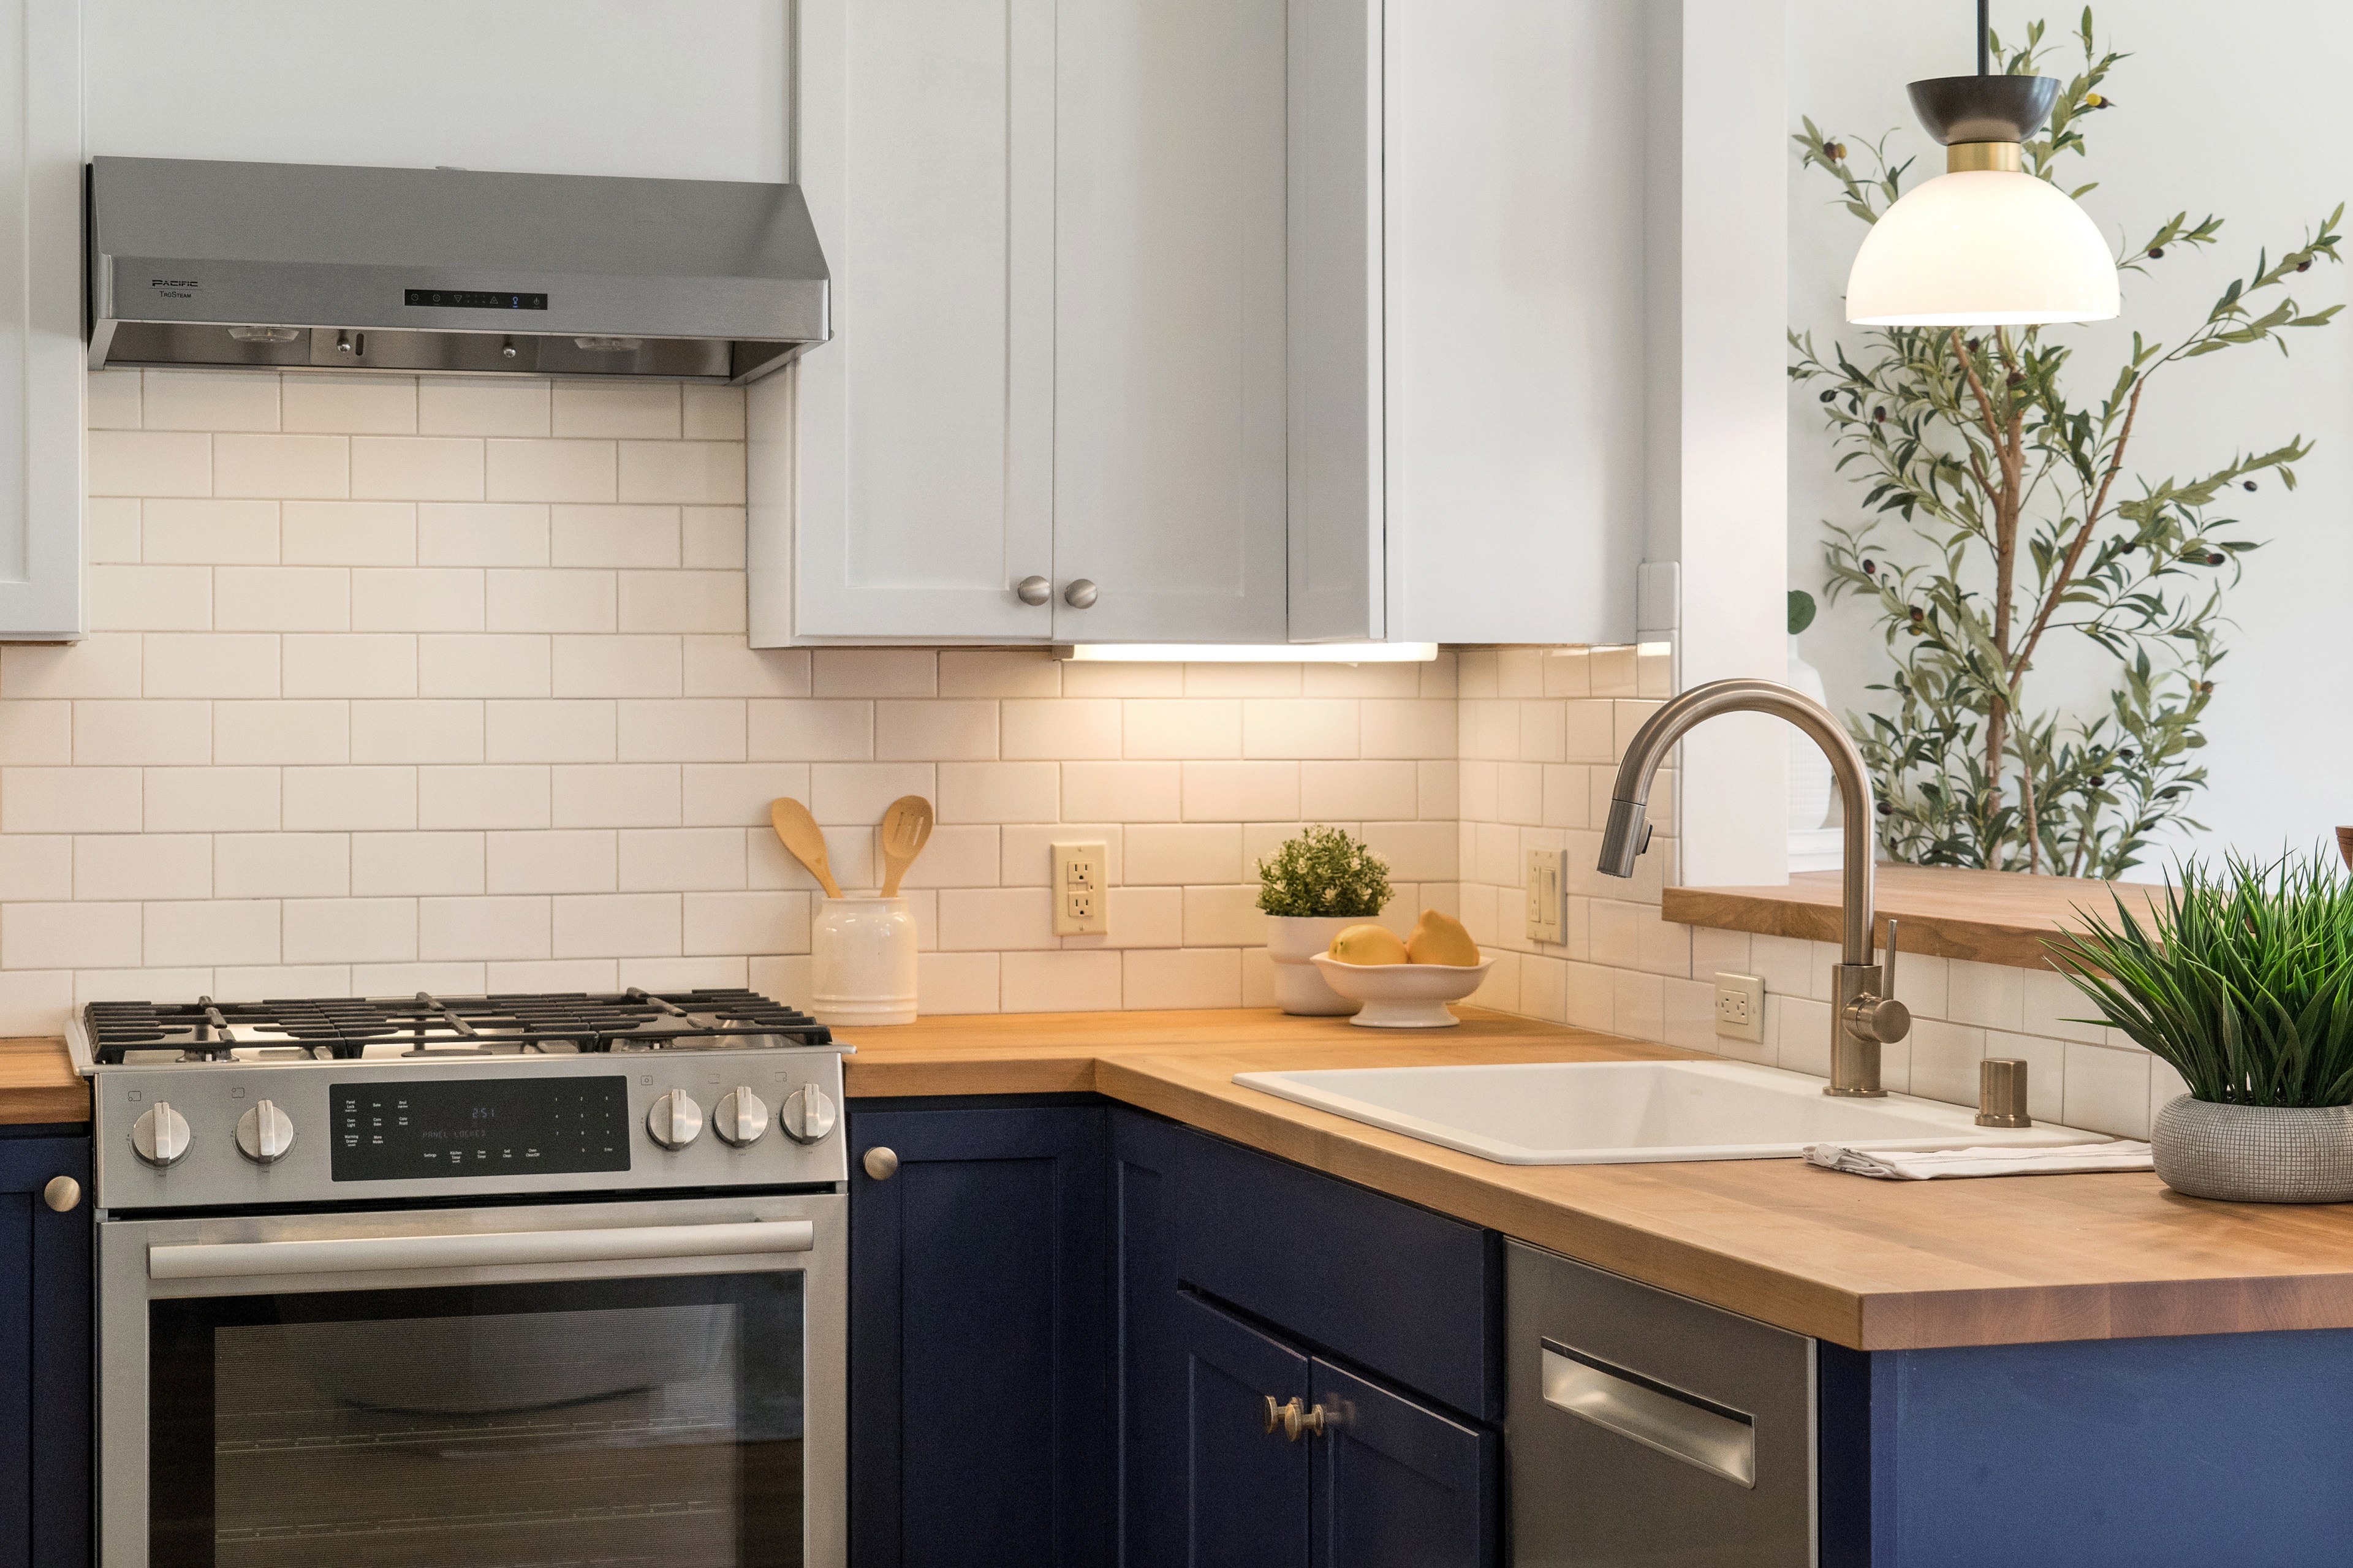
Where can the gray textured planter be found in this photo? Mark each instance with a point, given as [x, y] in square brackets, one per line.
[2255, 1154]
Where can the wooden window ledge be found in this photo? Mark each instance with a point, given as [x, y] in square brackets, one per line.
[1988, 917]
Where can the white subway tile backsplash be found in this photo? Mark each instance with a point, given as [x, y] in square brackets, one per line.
[682, 859]
[114, 400]
[737, 794]
[35, 733]
[345, 532]
[258, 732]
[727, 666]
[550, 471]
[281, 598]
[110, 528]
[103, 664]
[416, 599]
[36, 866]
[491, 406]
[439, 730]
[223, 799]
[544, 731]
[629, 925]
[492, 930]
[108, 734]
[702, 602]
[69, 936]
[416, 468]
[282, 866]
[144, 865]
[310, 468]
[998, 792]
[697, 473]
[746, 922]
[625, 794]
[618, 666]
[483, 664]
[150, 463]
[615, 536]
[209, 400]
[617, 408]
[354, 799]
[1182, 728]
[565, 860]
[149, 598]
[487, 797]
[211, 663]
[481, 534]
[688, 728]
[874, 672]
[352, 405]
[207, 532]
[211, 931]
[417, 865]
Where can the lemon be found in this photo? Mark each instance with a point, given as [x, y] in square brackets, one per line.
[1368, 945]
[1441, 939]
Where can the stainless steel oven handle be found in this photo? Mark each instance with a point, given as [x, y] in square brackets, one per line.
[484, 1249]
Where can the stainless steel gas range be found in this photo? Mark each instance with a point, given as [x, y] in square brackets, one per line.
[545, 1279]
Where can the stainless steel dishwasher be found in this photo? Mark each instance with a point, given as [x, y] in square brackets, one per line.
[1646, 1430]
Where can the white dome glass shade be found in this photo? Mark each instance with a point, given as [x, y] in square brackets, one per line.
[1983, 248]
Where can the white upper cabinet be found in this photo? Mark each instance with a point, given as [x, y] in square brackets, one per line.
[1169, 486]
[924, 484]
[1492, 337]
[1057, 240]
[42, 386]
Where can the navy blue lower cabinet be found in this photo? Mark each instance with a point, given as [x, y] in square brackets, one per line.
[44, 1356]
[1398, 1485]
[981, 1387]
[1246, 1482]
[2186, 1452]
[1244, 1279]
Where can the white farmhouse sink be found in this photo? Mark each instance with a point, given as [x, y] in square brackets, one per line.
[1613, 1113]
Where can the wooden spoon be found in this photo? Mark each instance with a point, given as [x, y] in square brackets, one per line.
[906, 828]
[804, 840]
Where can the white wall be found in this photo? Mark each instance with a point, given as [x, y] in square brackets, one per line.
[2236, 115]
[677, 88]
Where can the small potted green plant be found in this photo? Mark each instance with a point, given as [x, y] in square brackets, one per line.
[2243, 984]
[1313, 888]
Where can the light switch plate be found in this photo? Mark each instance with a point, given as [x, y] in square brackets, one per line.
[1081, 899]
[1740, 1007]
[1547, 884]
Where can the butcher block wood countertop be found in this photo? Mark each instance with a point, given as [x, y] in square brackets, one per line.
[1867, 1264]
[38, 1084]
[1948, 911]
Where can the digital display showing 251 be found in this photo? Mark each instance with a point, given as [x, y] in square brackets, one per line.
[410, 1127]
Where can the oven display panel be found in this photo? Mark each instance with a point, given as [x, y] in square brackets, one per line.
[408, 1129]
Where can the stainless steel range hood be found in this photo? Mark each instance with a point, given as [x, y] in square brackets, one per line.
[309, 267]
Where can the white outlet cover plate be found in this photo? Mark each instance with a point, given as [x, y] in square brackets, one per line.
[1080, 893]
[1547, 886]
[1740, 1007]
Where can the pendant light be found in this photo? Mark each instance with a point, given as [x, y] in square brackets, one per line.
[1984, 244]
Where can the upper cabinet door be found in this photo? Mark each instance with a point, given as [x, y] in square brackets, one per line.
[1169, 470]
[921, 490]
[42, 382]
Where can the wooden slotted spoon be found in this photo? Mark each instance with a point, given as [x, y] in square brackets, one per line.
[906, 828]
[804, 840]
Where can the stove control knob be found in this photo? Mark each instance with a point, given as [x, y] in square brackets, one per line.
[808, 1114]
[160, 1136]
[265, 1133]
[674, 1119]
[742, 1118]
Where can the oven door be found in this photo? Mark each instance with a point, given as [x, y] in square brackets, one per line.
[589, 1383]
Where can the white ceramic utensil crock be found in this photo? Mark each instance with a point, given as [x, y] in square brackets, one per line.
[862, 955]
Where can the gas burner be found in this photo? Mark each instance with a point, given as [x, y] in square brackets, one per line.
[425, 1025]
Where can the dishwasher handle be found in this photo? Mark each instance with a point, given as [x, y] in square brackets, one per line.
[1682, 1425]
[479, 1249]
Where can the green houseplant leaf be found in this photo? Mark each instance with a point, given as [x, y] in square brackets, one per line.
[1327, 872]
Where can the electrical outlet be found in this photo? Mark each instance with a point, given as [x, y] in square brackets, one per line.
[1547, 880]
[1740, 1007]
[1082, 903]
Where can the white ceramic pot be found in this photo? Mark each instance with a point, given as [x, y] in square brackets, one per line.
[862, 959]
[1810, 771]
[1404, 995]
[1292, 941]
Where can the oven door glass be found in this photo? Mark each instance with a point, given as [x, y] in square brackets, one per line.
[586, 1423]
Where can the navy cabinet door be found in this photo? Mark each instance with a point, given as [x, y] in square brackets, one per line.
[1398, 1485]
[44, 1369]
[1246, 1487]
[981, 1390]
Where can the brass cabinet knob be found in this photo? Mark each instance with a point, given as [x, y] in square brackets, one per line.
[881, 1163]
[63, 1194]
[1292, 1418]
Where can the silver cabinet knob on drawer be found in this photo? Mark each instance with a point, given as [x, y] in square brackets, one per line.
[160, 1136]
[63, 1194]
[674, 1120]
[1080, 594]
[1034, 590]
[742, 1117]
[264, 1134]
[881, 1163]
[807, 1115]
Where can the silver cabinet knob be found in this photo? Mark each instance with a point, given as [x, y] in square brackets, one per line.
[674, 1120]
[881, 1163]
[807, 1115]
[1033, 590]
[160, 1136]
[741, 1116]
[265, 1133]
[1080, 594]
[62, 1193]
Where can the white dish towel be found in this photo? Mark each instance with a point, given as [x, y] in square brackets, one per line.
[1925, 1165]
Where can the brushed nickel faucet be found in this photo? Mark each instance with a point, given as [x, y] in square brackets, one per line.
[1864, 1013]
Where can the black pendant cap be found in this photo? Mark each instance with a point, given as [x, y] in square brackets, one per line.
[1983, 108]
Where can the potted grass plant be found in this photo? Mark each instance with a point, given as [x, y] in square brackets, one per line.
[2242, 982]
[1312, 888]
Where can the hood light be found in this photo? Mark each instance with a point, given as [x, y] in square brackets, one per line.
[1249, 653]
